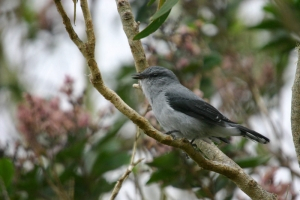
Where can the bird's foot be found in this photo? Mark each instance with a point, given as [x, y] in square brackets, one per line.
[193, 144]
[171, 134]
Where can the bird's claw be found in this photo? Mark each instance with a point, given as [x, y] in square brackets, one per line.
[171, 134]
[193, 144]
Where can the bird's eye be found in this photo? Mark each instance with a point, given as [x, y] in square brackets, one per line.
[155, 75]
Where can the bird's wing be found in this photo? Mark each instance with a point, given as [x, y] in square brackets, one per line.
[189, 104]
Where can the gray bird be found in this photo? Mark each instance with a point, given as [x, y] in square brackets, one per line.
[183, 114]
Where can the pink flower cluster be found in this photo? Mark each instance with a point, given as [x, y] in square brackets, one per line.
[38, 116]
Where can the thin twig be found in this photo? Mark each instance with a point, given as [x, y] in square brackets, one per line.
[90, 46]
[263, 108]
[236, 174]
[61, 194]
[130, 167]
[138, 187]
[73, 35]
[74, 2]
[137, 135]
[123, 178]
[287, 192]
[284, 160]
[71, 187]
[4, 191]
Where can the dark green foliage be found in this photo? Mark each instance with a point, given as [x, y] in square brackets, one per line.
[207, 87]
[173, 169]
[212, 60]
[166, 161]
[166, 7]
[107, 161]
[6, 171]
[143, 10]
[32, 183]
[150, 2]
[252, 161]
[157, 19]
[152, 27]
[268, 24]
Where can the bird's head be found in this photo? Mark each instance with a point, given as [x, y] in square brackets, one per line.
[156, 75]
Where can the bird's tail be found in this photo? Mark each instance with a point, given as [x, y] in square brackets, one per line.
[253, 135]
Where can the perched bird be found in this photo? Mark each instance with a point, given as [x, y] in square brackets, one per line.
[183, 114]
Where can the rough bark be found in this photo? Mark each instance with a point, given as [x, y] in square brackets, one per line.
[131, 28]
[295, 110]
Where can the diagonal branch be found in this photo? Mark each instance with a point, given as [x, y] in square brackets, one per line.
[67, 22]
[123, 178]
[129, 169]
[219, 162]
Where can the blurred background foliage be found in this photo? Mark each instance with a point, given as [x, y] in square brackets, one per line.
[79, 153]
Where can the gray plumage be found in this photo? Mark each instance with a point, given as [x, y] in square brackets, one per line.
[180, 112]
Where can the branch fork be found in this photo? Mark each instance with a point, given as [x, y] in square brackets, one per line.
[217, 158]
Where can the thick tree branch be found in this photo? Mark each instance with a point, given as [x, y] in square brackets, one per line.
[91, 43]
[295, 115]
[131, 28]
[219, 162]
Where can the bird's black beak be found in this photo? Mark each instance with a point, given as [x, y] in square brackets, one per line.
[138, 76]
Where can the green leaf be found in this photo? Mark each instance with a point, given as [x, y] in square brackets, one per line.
[69, 172]
[107, 161]
[166, 7]
[72, 151]
[150, 2]
[282, 43]
[171, 170]
[166, 161]
[268, 24]
[110, 135]
[270, 8]
[212, 60]
[192, 68]
[252, 161]
[143, 11]
[33, 183]
[91, 188]
[220, 183]
[152, 27]
[124, 89]
[165, 175]
[281, 65]
[201, 193]
[207, 86]
[6, 171]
